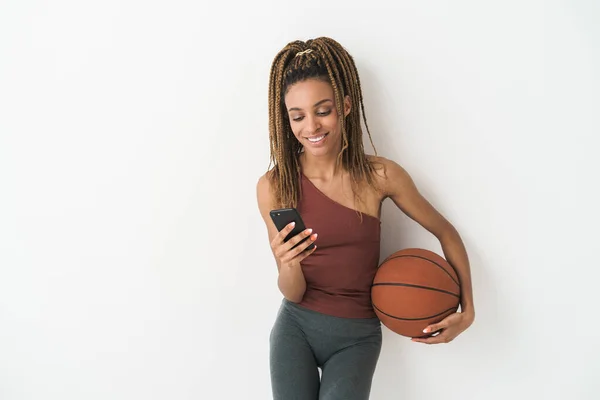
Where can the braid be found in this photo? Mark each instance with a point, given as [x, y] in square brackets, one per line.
[325, 59]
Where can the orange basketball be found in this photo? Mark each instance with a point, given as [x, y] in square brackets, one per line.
[414, 288]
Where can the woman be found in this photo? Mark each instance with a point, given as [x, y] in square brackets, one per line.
[326, 320]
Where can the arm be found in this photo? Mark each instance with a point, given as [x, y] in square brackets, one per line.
[290, 280]
[400, 187]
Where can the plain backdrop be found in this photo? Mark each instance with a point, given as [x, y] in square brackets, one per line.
[134, 263]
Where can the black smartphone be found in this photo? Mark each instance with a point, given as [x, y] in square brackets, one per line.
[284, 216]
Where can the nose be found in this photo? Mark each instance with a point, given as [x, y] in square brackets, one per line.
[312, 125]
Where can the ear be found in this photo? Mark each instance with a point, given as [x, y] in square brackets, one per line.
[347, 106]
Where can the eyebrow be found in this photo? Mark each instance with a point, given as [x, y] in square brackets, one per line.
[316, 105]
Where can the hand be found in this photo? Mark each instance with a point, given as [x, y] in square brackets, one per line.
[451, 326]
[283, 252]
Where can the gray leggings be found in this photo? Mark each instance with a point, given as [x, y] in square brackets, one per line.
[303, 341]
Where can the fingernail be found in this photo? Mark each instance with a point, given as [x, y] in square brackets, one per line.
[309, 231]
[425, 330]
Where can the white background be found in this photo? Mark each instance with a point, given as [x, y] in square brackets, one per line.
[134, 263]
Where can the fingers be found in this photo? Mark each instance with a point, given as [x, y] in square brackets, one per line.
[441, 334]
[450, 320]
[301, 251]
[441, 338]
[435, 327]
[287, 251]
[278, 239]
[299, 238]
[445, 331]
[306, 252]
[278, 244]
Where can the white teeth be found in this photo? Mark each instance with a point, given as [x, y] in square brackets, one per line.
[314, 140]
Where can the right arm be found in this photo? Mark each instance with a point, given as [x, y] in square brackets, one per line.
[291, 280]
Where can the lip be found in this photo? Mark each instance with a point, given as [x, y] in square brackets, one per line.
[316, 136]
[320, 143]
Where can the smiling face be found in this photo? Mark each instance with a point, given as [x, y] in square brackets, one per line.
[313, 116]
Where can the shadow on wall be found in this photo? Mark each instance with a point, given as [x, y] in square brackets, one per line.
[482, 352]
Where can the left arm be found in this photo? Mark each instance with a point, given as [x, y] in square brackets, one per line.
[399, 186]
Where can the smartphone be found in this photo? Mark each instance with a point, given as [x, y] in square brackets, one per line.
[284, 216]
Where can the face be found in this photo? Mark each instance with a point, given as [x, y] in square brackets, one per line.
[313, 116]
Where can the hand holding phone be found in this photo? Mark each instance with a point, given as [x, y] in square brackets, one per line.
[294, 242]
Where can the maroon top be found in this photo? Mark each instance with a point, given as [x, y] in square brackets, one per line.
[340, 271]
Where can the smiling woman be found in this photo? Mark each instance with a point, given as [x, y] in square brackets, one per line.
[326, 320]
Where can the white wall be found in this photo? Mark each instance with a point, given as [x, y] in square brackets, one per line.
[133, 260]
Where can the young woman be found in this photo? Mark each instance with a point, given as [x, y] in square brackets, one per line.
[326, 320]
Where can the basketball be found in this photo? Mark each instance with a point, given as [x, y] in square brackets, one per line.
[414, 288]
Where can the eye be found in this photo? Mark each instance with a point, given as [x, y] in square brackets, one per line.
[320, 114]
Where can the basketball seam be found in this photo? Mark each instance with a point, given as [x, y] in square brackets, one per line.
[416, 286]
[412, 319]
[426, 259]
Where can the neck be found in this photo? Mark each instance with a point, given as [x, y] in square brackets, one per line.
[322, 167]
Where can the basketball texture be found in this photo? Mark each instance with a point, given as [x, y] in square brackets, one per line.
[414, 288]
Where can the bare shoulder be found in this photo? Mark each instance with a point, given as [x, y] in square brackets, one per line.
[399, 186]
[391, 177]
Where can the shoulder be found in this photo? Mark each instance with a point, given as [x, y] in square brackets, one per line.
[391, 177]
